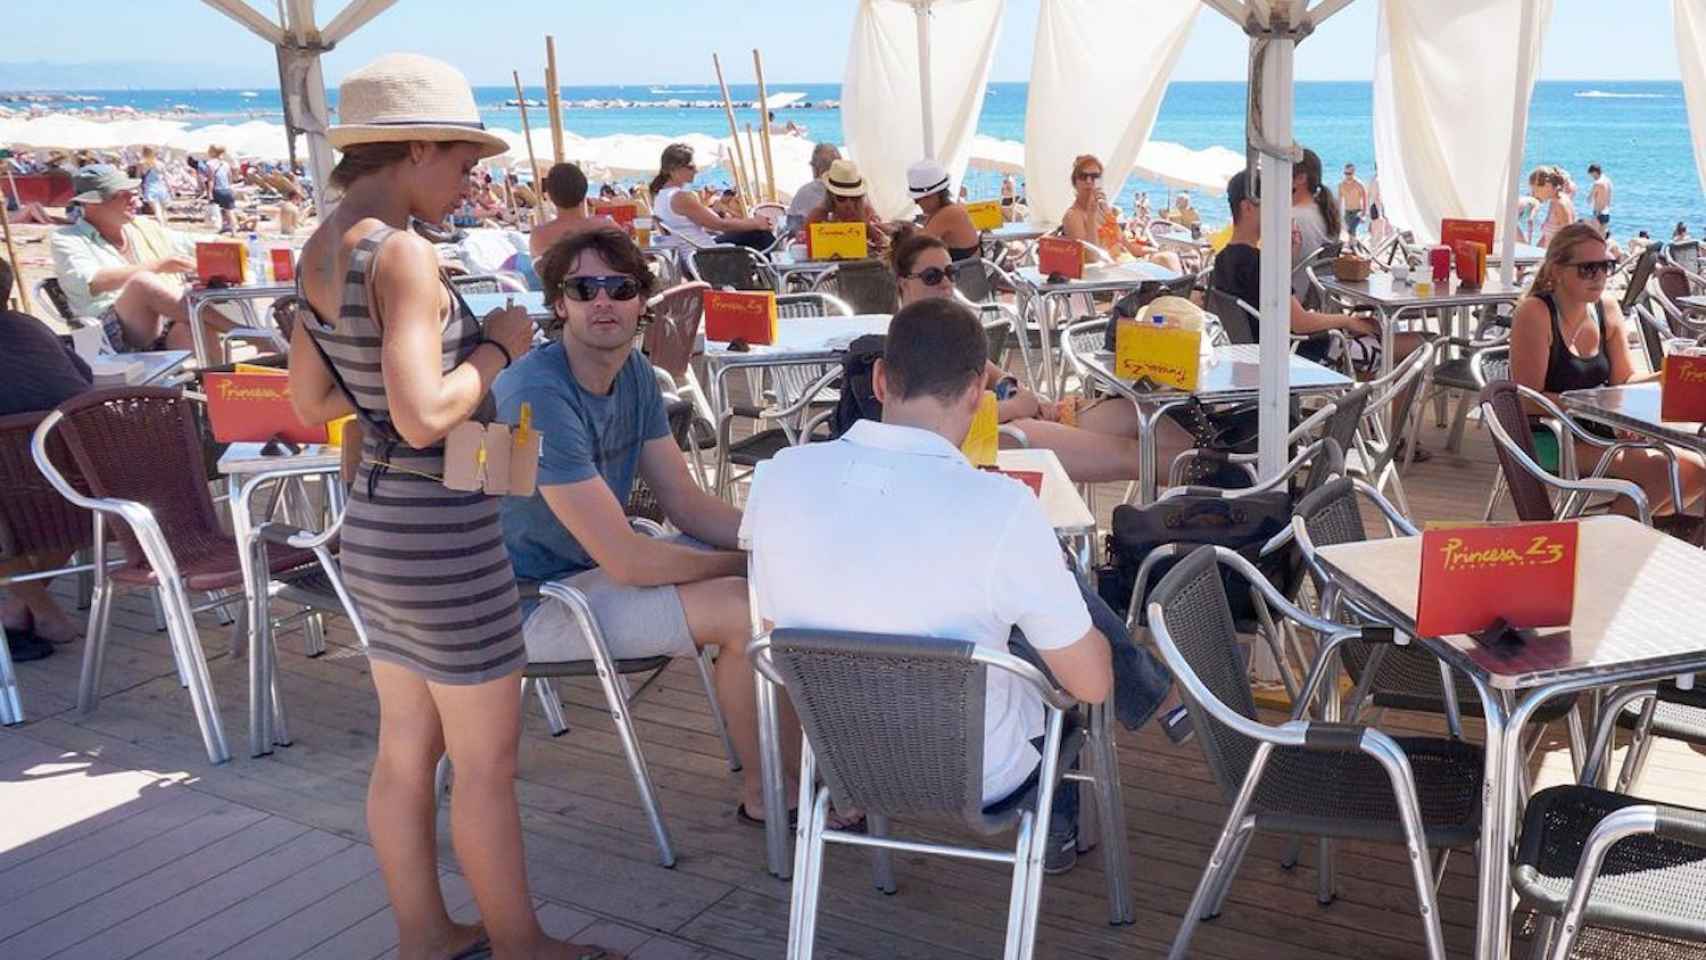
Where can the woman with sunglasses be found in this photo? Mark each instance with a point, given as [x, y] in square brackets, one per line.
[1095, 444]
[846, 200]
[1569, 335]
[684, 214]
[1091, 219]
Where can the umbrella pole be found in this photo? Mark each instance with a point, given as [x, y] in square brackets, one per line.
[752, 148]
[734, 132]
[532, 164]
[12, 252]
[764, 128]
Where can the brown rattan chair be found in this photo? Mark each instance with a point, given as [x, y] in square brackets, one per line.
[141, 458]
[35, 521]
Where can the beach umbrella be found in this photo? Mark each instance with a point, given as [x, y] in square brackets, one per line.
[66, 132]
[1178, 166]
[255, 139]
[996, 155]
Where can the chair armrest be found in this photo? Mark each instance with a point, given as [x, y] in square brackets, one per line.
[1593, 485]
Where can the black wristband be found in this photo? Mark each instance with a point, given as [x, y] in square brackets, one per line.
[501, 349]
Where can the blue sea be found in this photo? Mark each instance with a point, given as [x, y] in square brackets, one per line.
[1637, 131]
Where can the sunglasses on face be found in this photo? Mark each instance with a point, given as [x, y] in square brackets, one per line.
[1090, 176]
[1589, 269]
[585, 289]
[931, 276]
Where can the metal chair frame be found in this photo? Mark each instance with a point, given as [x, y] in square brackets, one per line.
[1024, 902]
[761, 268]
[1296, 733]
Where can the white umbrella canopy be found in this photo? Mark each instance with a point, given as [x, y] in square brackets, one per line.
[996, 156]
[66, 132]
[256, 139]
[1182, 168]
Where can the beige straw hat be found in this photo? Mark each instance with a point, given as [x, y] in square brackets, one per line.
[844, 179]
[404, 96]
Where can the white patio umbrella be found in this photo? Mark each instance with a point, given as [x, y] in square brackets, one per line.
[66, 132]
[254, 139]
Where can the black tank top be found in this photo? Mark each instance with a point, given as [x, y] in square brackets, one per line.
[1564, 370]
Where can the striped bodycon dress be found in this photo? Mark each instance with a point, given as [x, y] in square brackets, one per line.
[426, 565]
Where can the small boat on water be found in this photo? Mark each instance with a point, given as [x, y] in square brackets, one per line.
[248, 94]
[513, 102]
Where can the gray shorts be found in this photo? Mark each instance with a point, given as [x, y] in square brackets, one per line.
[636, 621]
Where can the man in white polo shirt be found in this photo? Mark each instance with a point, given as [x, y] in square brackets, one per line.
[926, 544]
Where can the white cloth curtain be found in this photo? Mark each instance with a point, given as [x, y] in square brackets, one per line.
[1445, 75]
[881, 115]
[1691, 59]
[1098, 74]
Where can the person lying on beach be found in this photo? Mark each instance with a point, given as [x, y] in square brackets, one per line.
[566, 185]
[1092, 220]
[846, 201]
[128, 273]
[944, 219]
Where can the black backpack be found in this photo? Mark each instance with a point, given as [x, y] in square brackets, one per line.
[858, 399]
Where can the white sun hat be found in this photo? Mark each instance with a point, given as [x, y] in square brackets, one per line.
[404, 96]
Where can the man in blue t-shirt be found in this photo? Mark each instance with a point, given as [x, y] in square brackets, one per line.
[601, 416]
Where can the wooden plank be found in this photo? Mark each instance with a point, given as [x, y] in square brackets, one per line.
[91, 919]
[296, 933]
[377, 933]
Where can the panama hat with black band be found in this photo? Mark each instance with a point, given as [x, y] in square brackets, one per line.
[844, 179]
[403, 97]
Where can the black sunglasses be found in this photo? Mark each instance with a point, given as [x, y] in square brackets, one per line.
[1089, 176]
[585, 289]
[931, 276]
[1588, 269]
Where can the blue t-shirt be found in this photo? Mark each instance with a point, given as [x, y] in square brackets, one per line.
[584, 436]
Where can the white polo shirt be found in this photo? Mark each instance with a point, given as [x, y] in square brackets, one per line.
[891, 530]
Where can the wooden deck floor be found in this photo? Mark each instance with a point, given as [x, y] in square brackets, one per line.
[118, 840]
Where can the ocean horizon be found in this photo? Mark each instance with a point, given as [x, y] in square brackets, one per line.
[1637, 130]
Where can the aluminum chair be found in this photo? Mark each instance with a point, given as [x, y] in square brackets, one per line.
[790, 411]
[867, 285]
[1612, 875]
[1301, 777]
[488, 283]
[141, 461]
[731, 267]
[895, 726]
[49, 291]
[1392, 424]
[978, 286]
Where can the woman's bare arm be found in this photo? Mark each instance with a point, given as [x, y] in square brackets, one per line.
[689, 205]
[314, 394]
[425, 403]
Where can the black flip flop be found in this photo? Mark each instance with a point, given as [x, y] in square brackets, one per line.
[25, 645]
[480, 949]
[752, 821]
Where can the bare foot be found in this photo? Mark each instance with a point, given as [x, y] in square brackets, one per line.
[61, 631]
[459, 938]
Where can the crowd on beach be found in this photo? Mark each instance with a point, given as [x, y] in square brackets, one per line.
[435, 574]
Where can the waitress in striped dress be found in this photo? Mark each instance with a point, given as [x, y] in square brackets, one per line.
[387, 339]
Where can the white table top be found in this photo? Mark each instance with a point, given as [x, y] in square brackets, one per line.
[1067, 512]
[246, 458]
[1100, 277]
[1526, 253]
[1379, 290]
[1693, 302]
[803, 338]
[247, 291]
[1633, 406]
[1230, 372]
[157, 365]
[1639, 605]
[1015, 232]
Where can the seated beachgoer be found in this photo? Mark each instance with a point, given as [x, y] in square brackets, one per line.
[812, 193]
[1238, 271]
[944, 219]
[37, 372]
[566, 185]
[1092, 220]
[928, 545]
[1184, 214]
[685, 215]
[1095, 444]
[124, 271]
[599, 410]
[845, 201]
[1569, 334]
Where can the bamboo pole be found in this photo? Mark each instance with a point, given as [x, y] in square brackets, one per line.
[532, 164]
[764, 129]
[752, 149]
[12, 255]
[553, 98]
[734, 131]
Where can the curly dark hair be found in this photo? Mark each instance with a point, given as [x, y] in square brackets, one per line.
[617, 248]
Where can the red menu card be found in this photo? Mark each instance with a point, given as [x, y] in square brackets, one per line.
[1682, 388]
[255, 407]
[732, 315]
[1521, 573]
[1058, 255]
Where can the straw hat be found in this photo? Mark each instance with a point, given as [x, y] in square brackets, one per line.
[404, 96]
[844, 179]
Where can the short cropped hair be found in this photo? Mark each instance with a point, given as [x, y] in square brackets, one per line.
[1237, 191]
[935, 348]
[616, 247]
[6, 280]
[565, 184]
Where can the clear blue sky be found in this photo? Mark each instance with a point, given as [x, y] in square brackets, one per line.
[670, 41]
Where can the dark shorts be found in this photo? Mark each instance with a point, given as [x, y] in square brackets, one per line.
[224, 199]
[1604, 220]
[1353, 220]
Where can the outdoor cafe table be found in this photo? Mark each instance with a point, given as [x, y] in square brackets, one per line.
[1692, 302]
[246, 471]
[1037, 294]
[1634, 407]
[198, 299]
[1525, 255]
[1638, 618]
[1392, 300]
[799, 340]
[786, 265]
[1021, 232]
[1230, 374]
[532, 300]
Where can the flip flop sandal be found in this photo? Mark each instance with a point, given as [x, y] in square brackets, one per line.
[752, 821]
[25, 646]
